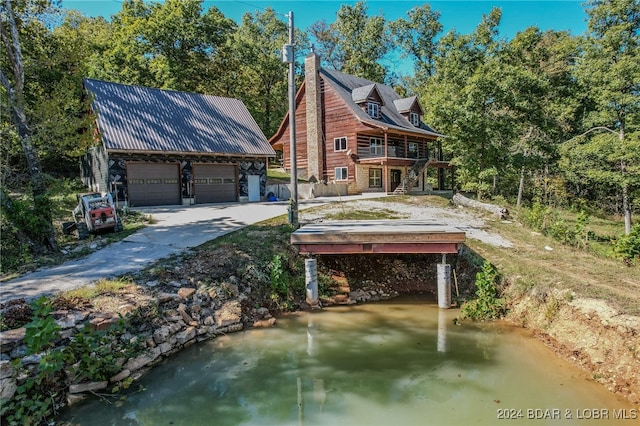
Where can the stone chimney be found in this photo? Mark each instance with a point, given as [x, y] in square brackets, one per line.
[315, 139]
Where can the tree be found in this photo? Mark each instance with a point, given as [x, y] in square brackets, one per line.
[355, 42]
[417, 38]
[540, 98]
[263, 79]
[169, 45]
[610, 69]
[12, 78]
[463, 98]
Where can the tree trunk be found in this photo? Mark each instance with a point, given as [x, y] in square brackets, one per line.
[41, 203]
[626, 205]
[461, 200]
[520, 187]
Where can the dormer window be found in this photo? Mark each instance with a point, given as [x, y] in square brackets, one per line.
[414, 118]
[373, 109]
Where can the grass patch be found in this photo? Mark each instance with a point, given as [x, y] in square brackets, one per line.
[100, 288]
[357, 214]
[529, 265]
[280, 175]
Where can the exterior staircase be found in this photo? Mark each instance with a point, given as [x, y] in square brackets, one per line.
[411, 177]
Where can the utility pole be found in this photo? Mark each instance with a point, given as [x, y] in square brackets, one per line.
[288, 56]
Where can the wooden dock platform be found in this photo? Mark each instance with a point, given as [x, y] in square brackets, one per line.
[377, 236]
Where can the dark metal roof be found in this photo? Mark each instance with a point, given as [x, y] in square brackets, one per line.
[136, 118]
[346, 84]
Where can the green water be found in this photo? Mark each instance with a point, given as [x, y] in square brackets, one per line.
[402, 362]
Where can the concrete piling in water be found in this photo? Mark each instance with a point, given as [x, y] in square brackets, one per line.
[444, 286]
[311, 281]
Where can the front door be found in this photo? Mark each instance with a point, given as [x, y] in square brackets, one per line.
[396, 177]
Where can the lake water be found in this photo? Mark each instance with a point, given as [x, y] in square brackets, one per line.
[400, 362]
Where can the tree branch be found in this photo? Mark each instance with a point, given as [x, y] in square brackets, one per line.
[593, 130]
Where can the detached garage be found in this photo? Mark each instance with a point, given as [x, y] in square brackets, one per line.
[161, 147]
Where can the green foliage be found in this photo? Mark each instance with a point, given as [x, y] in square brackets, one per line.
[355, 43]
[548, 221]
[286, 281]
[487, 305]
[93, 355]
[42, 331]
[627, 247]
[90, 355]
[33, 402]
[279, 276]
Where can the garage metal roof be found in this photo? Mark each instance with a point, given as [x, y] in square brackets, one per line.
[136, 118]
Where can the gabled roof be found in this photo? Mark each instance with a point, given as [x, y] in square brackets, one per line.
[345, 84]
[142, 119]
[405, 105]
[362, 94]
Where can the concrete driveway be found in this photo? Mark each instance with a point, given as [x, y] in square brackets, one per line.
[176, 229]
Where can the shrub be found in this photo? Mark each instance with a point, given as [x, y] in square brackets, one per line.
[487, 305]
[627, 247]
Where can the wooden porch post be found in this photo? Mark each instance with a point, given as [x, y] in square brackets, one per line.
[386, 177]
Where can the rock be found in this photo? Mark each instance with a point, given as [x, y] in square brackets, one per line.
[143, 360]
[186, 292]
[263, 312]
[6, 369]
[166, 297]
[75, 398]
[152, 283]
[162, 334]
[230, 313]
[360, 295]
[120, 376]
[185, 316]
[186, 335]
[264, 323]
[32, 359]
[11, 339]
[8, 388]
[165, 347]
[86, 387]
[209, 321]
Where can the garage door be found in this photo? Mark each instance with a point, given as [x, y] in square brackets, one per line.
[214, 183]
[152, 184]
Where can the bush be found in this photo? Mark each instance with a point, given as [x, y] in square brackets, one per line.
[627, 247]
[487, 305]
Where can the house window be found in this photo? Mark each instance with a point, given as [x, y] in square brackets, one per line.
[375, 146]
[413, 150]
[415, 119]
[341, 173]
[340, 144]
[375, 178]
[373, 109]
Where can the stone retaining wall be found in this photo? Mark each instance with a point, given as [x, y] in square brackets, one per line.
[184, 318]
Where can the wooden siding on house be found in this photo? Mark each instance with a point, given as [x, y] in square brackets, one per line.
[343, 105]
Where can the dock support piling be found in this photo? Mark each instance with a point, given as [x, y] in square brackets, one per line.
[311, 281]
[444, 285]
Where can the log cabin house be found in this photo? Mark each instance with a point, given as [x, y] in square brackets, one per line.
[355, 131]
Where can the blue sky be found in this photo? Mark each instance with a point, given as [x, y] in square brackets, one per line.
[461, 15]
